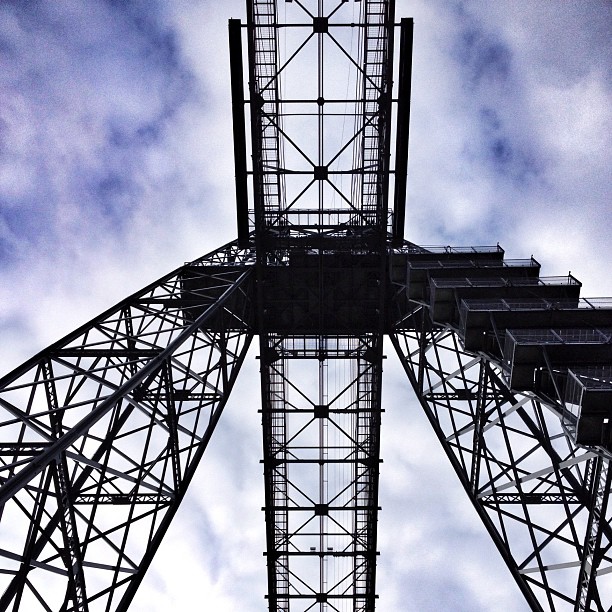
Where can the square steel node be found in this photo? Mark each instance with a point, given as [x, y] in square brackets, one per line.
[320, 173]
[320, 25]
[321, 411]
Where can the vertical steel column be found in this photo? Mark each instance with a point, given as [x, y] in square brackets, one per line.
[402, 133]
[239, 129]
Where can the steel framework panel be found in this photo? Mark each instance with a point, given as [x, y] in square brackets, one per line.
[321, 428]
[542, 498]
[320, 198]
[313, 173]
[100, 435]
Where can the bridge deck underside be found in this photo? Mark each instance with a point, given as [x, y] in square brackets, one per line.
[321, 425]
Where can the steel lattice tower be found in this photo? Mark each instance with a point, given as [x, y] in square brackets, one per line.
[101, 433]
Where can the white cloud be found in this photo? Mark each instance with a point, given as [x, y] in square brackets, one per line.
[67, 252]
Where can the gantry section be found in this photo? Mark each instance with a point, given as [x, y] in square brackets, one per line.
[321, 417]
[319, 96]
[320, 104]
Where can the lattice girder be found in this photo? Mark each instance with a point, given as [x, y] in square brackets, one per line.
[321, 424]
[541, 497]
[101, 434]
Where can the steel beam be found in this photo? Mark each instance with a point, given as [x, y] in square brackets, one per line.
[239, 130]
[402, 133]
[117, 417]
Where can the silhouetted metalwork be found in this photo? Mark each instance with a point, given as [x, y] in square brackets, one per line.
[103, 430]
[100, 433]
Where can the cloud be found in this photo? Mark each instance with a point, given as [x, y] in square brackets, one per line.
[116, 166]
[503, 134]
[102, 129]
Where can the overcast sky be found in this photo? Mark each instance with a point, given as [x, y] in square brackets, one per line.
[116, 167]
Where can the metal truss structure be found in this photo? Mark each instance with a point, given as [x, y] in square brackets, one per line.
[100, 433]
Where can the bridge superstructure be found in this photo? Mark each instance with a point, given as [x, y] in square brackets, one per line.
[100, 434]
